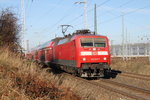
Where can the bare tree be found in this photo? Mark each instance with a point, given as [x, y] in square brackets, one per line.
[9, 29]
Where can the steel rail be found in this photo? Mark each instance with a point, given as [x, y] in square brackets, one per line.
[107, 87]
[137, 76]
[145, 91]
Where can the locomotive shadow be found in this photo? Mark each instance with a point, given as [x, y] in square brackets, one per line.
[56, 70]
[53, 69]
[114, 73]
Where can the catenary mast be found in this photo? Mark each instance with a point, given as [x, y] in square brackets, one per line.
[85, 12]
[22, 22]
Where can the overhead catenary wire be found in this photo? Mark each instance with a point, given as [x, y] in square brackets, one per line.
[115, 18]
[106, 21]
[99, 5]
[27, 4]
[126, 3]
[73, 20]
[50, 10]
[29, 8]
[102, 21]
[120, 6]
[109, 20]
[30, 4]
[76, 18]
[47, 13]
[110, 12]
[59, 20]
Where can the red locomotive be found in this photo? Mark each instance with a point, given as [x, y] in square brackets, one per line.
[82, 53]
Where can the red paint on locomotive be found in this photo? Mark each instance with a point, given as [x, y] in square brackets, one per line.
[80, 51]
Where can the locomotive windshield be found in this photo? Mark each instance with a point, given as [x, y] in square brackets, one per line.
[93, 42]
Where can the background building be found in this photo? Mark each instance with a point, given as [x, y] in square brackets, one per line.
[130, 50]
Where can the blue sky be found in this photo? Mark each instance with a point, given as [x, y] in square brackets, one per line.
[44, 17]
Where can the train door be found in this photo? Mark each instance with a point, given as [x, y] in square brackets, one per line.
[48, 54]
[36, 55]
[73, 50]
[42, 55]
[73, 53]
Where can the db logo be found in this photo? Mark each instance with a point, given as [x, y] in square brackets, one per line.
[95, 53]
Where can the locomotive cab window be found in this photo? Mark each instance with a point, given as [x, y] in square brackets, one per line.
[99, 42]
[93, 42]
[86, 42]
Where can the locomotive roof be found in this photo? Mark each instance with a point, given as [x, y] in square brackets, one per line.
[71, 37]
[41, 46]
[67, 38]
[88, 35]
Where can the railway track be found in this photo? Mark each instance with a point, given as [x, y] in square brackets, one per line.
[119, 88]
[137, 76]
[128, 90]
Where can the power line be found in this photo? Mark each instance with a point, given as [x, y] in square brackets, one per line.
[50, 10]
[126, 3]
[103, 3]
[60, 20]
[76, 18]
[109, 20]
[29, 8]
[110, 12]
[27, 4]
[89, 10]
[112, 19]
[46, 13]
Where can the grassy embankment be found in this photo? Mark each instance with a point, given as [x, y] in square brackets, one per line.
[135, 65]
[23, 80]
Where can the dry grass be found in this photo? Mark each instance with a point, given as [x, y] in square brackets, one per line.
[134, 65]
[23, 80]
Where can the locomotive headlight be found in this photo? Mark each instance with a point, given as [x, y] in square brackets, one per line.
[94, 49]
[105, 58]
[84, 59]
